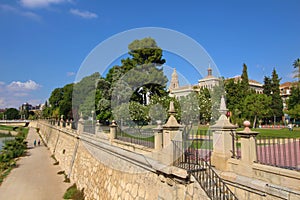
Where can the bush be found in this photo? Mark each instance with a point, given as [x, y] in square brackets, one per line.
[73, 193]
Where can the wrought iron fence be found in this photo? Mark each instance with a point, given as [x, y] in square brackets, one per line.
[278, 152]
[134, 136]
[197, 164]
[198, 144]
[88, 128]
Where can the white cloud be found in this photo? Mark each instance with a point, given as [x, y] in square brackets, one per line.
[17, 92]
[28, 85]
[41, 3]
[83, 14]
[70, 73]
[11, 9]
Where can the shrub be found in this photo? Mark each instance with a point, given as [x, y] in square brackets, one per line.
[73, 193]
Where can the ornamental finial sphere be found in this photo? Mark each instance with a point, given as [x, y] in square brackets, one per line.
[247, 123]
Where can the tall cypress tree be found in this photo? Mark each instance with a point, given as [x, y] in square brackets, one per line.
[277, 105]
[245, 81]
[267, 86]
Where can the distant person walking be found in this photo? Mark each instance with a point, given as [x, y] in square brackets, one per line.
[34, 143]
[39, 142]
[290, 126]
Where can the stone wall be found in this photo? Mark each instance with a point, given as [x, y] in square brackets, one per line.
[107, 172]
[61, 143]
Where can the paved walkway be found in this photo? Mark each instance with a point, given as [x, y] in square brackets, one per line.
[36, 177]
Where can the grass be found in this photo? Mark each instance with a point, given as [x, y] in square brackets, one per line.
[282, 133]
[4, 174]
[141, 137]
[73, 193]
[5, 135]
[6, 128]
[11, 150]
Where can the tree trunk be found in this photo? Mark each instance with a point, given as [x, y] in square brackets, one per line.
[254, 122]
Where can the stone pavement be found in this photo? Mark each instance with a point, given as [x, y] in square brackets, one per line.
[36, 177]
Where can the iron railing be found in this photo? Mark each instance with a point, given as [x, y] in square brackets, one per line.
[199, 166]
[88, 128]
[135, 136]
[278, 152]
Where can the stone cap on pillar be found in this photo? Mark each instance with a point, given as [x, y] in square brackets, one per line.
[247, 132]
[81, 118]
[159, 127]
[113, 123]
[223, 122]
[172, 121]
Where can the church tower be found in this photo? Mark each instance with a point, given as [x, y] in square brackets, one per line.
[174, 81]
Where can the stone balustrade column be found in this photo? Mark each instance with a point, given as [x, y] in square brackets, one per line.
[113, 130]
[98, 128]
[223, 132]
[61, 121]
[71, 124]
[172, 130]
[80, 125]
[248, 146]
[158, 137]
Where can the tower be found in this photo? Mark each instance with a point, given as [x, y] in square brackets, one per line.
[174, 81]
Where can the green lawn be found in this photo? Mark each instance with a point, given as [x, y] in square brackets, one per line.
[284, 133]
[7, 128]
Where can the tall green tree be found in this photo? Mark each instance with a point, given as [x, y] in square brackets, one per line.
[234, 99]
[145, 78]
[295, 112]
[12, 113]
[267, 86]
[189, 108]
[84, 95]
[245, 88]
[65, 105]
[204, 103]
[294, 99]
[296, 65]
[277, 104]
[258, 106]
[55, 97]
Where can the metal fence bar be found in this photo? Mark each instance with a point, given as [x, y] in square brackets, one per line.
[144, 138]
[279, 152]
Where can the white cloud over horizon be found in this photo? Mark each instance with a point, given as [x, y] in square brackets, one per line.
[16, 93]
[28, 85]
[83, 13]
[41, 3]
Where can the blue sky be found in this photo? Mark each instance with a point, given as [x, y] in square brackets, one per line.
[44, 42]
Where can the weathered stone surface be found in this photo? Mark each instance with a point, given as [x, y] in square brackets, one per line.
[106, 176]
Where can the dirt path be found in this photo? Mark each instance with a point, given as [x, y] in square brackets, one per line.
[36, 177]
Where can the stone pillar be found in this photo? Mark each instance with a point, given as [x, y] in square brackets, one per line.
[172, 130]
[113, 130]
[223, 142]
[61, 121]
[158, 137]
[98, 128]
[80, 125]
[71, 124]
[248, 146]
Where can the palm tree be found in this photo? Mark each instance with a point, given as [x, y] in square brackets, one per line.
[296, 64]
